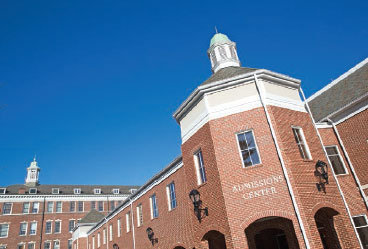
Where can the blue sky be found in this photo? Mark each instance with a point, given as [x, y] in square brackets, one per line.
[90, 86]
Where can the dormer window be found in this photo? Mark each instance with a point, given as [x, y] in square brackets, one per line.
[32, 191]
[116, 191]
[77, 191]
[133, 190]
[97, 191]
[2, 191]
[55, 191]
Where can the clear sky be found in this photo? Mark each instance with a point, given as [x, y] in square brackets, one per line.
[90, 86]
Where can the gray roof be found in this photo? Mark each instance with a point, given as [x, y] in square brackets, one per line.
[349, 87]
[227, 73]
[69, 189]
[93, 216]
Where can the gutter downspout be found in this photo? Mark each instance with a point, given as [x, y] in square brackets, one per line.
[131, 212]
[337, 181]
[296, 209]
[349, 161]
[42, 220]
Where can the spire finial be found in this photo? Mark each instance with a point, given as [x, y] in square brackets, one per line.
[34, 158]
[216, 30]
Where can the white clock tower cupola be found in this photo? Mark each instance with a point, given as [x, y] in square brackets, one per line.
[222, 53]
[33, 172]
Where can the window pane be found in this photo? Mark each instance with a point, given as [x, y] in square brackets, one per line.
[296, 135]
[359, 221]
[302, 151]
[246, 158]
[337, 165]
[331, 150]
[254, 156]
[250, 139]
[242, 143]
[363, 234]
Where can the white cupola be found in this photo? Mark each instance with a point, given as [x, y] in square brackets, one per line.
[33, 172]
[222, 53]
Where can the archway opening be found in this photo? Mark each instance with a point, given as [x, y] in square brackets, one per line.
[272, 233]
[179, 247]
[215, 239]
[324, 219]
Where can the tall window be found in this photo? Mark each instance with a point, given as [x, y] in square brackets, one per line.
[171, 196]
[70, 244]
[104, 236]
[100, 206]
[71, 225]
[7, 207]
[302, 144]
[335, 160]
[112, 205]
[4, 229]
[119, 227]
[59, 206]
[47, 245]
[154, 208]
[50, 206]
[199, 166]
[48, 226]
[93, 204]
[80, 206]
[35, 207]
[127, 221]
[25, 208]
[57, 228]
[98, 239]
[23, 229]
[110, 232]
[248, 148]
[31, 245]
[361, 225]
[72, 206]
[93, 242]
[33, 228]
[139, 215]
[56, 244]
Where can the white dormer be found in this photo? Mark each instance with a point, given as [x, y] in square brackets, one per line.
[33, 172]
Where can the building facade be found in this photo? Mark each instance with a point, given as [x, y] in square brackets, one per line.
[33, 215]
[261, 167]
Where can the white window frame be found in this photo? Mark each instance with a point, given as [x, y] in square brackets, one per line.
[56, 207]
[48, 242]
[152, 208]
[119, 227]
[50, 227]
[26, 230]
[97, 191]
[340, 157]
[168, 195]
[11, 208]
[70, 206]
[98, 240]
[127, 221]
[69, 225]
[47, 207]
[30, 228]
[59, 227]
[139, 215]
[255, 145]
[110, 232]
[98, 206]
[55, 191]
[197, 167]
[366, 220]
[104, 236]
[38, 207]
[82, 206]
[29, 207]
[77, 191]
[2, 191]
[71, 244]
[53, 244]
[7, 230]
[93, 242]
[309, 155]
[31, 243]
[32, 191]
[116, 191]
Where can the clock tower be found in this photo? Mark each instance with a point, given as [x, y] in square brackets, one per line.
[222, 53]
[33, 172]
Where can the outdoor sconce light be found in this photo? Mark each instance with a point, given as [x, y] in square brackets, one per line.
[151, 235]
[195, 197]
[115, 246]
[322, 173]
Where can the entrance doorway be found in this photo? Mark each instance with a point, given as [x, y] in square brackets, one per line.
[215, 239]
[272, 233]
[325, 224]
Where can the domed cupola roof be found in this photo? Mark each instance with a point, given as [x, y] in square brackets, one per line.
[219, 38]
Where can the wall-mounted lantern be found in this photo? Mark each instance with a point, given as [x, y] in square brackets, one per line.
[151, 236]
[195, 197]
[322, 173]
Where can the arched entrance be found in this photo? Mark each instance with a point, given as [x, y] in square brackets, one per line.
[271, 233]
[179, 247]
[324, 218]
[215, 239]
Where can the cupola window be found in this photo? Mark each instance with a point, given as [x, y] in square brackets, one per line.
[97, 191]
[77, 191]
[2, 191]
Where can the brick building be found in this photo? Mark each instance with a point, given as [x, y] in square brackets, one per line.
[261, 167]
[33, 214]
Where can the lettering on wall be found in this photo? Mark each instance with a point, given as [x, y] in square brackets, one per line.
[258, 188]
